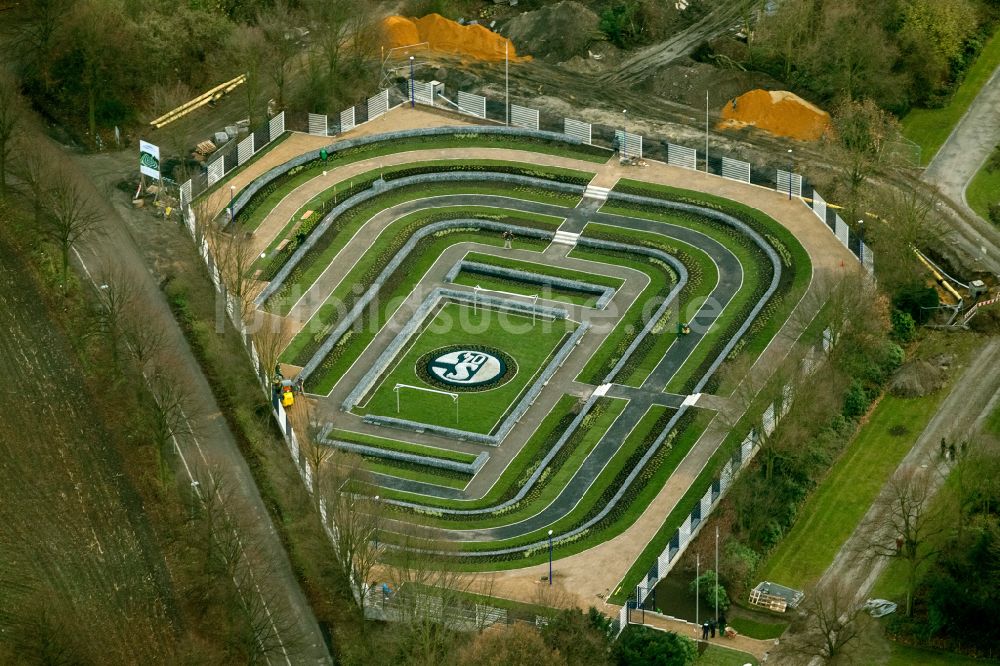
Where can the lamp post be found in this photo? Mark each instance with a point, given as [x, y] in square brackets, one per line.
[706, 130]
[413, 101]
[861, 238]
[376, 530]
[624, 146]
[716, 575]
[550, 557]
[232, 194]
[790, 166]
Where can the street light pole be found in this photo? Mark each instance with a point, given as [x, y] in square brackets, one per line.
[706, 130]
[624, 146]
[790, 167]
[413, 101]
[550, 557]
[506, 83]
[232, 193]
[716, 574]
[697, 582]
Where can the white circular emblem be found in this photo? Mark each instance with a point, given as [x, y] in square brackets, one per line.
[466, 368]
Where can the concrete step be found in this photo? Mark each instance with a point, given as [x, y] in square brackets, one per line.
[595, 192]
[565, 238]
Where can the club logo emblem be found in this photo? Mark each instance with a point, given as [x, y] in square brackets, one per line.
[465, 367]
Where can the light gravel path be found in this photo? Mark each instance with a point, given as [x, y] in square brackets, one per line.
[957, 162]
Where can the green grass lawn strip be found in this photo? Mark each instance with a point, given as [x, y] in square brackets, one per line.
[402, 447]
[551, 484]
[757, 629]
[393, 146]
[417, 473]
[716, 655]
[546, 269]
[478, 411]
[317, 261]
[517, 469]
[984, 191]
[838, 504]
[931, 127]
[516, 286]
[907, 655]
[703, 278]
[406, 225]
[352, 347]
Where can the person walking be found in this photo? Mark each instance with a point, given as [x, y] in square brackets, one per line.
[722, 625]
[704, 631]
[711, 627]
[507, 238]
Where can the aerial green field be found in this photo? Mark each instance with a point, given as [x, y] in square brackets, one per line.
[529, 344]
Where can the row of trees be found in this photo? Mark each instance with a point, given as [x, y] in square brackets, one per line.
[898, 53]
[95, 64]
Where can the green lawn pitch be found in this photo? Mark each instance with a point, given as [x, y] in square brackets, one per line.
[530, 345]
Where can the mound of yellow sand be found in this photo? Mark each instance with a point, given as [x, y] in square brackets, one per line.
[777, 111]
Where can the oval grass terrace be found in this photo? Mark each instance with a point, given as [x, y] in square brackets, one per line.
[630, 437]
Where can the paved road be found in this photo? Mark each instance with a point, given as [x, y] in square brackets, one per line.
[965, 151]
[972, 397]
[117, 246]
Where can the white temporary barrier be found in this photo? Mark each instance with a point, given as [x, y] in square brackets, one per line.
[789, 182]
[244, 150]
[378, 105]
[474, 105]
[276, 126]
[819, 206]
[682, 156]
[318, 124]
[843, 234]
[216, 170]
[577, 129]
[347, 119]
[630, 145]
[423, 92]
[522, 116]
[735, 169]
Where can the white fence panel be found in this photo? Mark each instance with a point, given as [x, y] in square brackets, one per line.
[216, 170]
[746, 448]
[577, 129]
[378, 105]
[867, 258]
[842, 232]
[185, 195]
[276, 126]
[423, 92]
[827, 339]
[735, 169]
[474, 105]
[244, 150]
[767, 420]
[347, 119]
[630, 145]
[789, 182]
[317, 124]
[706, 506]
[786, 398]
[522, 116]
[819, 206]
[682, 156]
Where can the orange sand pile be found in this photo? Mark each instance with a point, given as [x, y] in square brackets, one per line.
[446, 36]
[778, 112]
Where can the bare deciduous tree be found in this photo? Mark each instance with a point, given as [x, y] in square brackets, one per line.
[235, 256]
[355, 521]
[70, 217]
[170, 410]
[11, 115]
[904, 522]
[832, 625]
[270, 335]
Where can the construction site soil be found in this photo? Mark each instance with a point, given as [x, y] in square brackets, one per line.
[443, 35]
[776, 111]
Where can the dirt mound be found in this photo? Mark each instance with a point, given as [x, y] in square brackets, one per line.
[918, 378]
[777, 111]
[555, 32]
[446, 36]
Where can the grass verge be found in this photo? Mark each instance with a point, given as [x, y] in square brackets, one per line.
[984, 191]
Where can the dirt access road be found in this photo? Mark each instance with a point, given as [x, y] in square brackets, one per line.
[957, 162]
[119, 244]
[971, 399]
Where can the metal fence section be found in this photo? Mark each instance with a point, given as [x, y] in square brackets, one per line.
[682, 156]
[843, 233]
[735, 169]
[423, 92]
[522, 116]
[867, 258]
[474, 105]
[276, 126]
[819, 206]
[244, 150]
[630, 145]
[789, 183]
[216, 170]
[185, 195]
[378, 105]
[347, 119]
[318, 124]
[577, 130]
